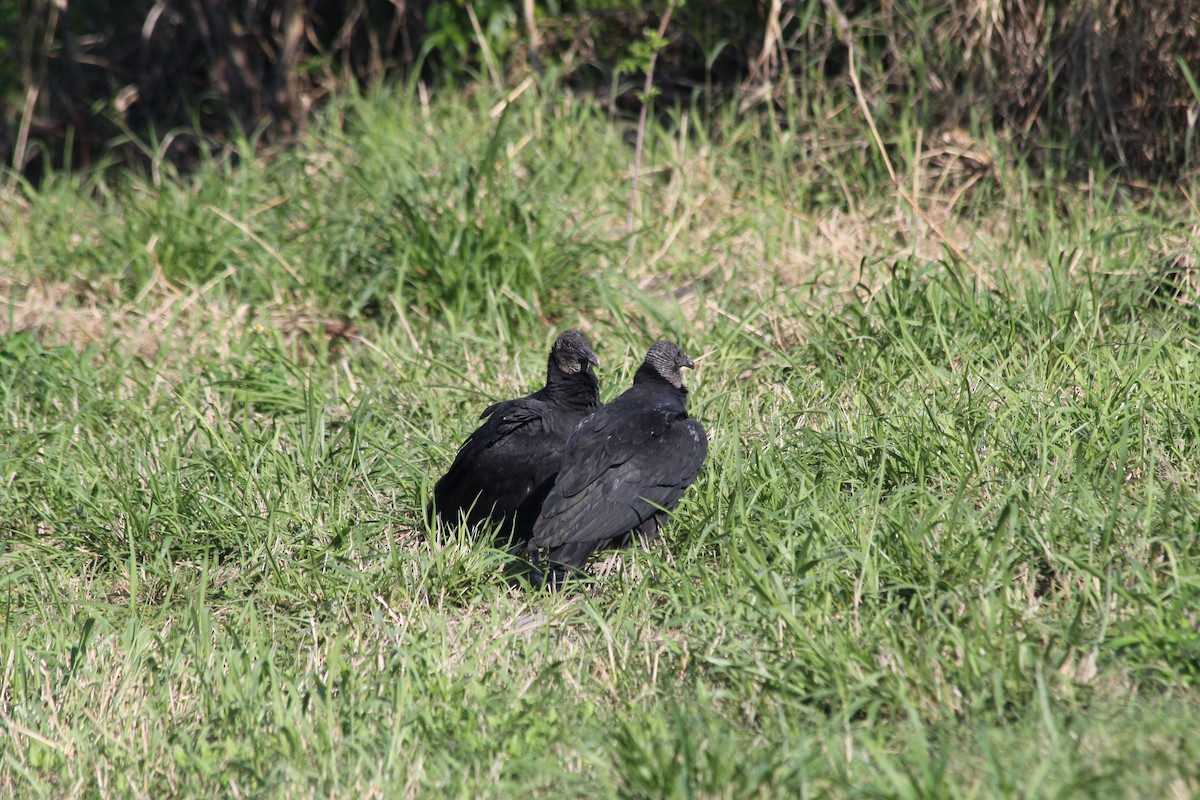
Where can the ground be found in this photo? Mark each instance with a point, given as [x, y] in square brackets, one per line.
[944, 544]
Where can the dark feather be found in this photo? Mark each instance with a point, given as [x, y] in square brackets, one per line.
[514, 454]
[624, 465]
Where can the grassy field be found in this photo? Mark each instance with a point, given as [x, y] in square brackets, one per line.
[945, 543]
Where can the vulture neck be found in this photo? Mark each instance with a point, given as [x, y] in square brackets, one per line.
[647, 375]
[573, 389]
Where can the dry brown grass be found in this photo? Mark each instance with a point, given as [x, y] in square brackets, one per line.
[1106, 72]
[76, 315]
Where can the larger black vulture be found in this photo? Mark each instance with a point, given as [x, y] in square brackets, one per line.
[510, 461]
[622, 466]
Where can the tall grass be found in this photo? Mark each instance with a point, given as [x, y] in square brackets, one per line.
[944, 545]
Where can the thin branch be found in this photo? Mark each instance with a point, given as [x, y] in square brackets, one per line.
[531, 30]
[490, 62]
[641, 129]
[844, 34]
[244, 228]
[35, 78]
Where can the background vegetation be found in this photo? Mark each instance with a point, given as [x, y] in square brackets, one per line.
[945, 543]
[1074, 81]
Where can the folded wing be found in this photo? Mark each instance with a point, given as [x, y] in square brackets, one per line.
[617, 473]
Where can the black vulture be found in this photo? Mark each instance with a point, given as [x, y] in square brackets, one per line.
[506, 467]
[623, 465]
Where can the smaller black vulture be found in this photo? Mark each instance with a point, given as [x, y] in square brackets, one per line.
[622, 466]
[509, 462]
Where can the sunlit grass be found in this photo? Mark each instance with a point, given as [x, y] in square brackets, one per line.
[944, 544]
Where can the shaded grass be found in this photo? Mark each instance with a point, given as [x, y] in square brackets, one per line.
[944, 544]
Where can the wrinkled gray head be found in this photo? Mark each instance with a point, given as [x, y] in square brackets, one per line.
[666, 359]
[571, 353]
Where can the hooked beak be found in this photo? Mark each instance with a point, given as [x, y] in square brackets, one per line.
[687, 362]
[590, 358]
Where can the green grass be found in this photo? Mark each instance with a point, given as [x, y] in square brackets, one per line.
[945, 544]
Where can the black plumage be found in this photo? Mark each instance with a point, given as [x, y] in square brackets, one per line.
[506, 467]
[622, 466]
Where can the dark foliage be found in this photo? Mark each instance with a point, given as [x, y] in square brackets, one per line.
[151, 80]
[1085, 77]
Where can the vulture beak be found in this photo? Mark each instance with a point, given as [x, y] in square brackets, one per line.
[687, 362]
[590, 358]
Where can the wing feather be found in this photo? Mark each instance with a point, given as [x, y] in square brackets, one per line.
[619, 482]
[502, 462]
